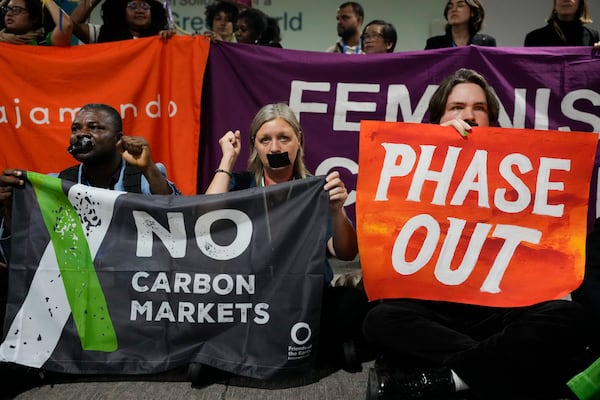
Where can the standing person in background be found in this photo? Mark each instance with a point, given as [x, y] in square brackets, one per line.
[255, 27]
[30, 22]
[221, 18]
[464, 21]
[121, 20]
[350, 17]
[379, 37]
[566, 26]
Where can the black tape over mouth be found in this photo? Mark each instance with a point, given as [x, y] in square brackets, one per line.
[82, 145]
[278, 160]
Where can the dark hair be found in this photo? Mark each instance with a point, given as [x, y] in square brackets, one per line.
[476, 19]
[256, 22]
[212, 10]
[114, 23]
[38, 15]
[388, 31]
[356, 8]
[437, 104]
[35, 11]
[582, 14]
[264, 30]
[113, 114]
[272, 36]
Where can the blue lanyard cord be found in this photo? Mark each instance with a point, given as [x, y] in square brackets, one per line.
[356, 51]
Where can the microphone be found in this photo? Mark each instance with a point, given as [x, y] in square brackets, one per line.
[82, 145]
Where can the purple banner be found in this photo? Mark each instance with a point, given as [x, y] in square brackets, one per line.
[539, 88]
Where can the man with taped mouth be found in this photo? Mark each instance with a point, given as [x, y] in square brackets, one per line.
[107, 159]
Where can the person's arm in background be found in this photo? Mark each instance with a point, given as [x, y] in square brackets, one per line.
[230, 146]
[80, 17]
[61, 35]
[343, 244]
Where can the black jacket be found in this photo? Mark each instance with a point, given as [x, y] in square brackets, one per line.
[443, 41]
[547, 36]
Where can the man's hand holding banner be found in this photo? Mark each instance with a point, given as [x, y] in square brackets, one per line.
[496, 219]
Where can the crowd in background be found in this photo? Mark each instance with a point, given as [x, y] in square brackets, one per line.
[23, 22]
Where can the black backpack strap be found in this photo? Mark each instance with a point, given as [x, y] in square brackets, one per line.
[70, 174]
[132, 179]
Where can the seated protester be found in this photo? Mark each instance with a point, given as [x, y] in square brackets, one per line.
[121, 20]
[464, 21]
[379, 37]
[432, 349]
[277, 150]
[586, 384]
[588, 294]
[255, 27]
[28, 22]
[565, 27]
[107, 159]
[220, 18]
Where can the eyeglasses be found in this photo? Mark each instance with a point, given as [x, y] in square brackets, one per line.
[14, 10]
[371, 36]
[134, 5]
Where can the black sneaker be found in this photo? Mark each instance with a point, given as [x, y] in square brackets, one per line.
[395, 384]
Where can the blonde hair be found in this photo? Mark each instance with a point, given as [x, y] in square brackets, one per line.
[268, 113]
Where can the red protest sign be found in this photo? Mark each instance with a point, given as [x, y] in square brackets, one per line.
[496, 219]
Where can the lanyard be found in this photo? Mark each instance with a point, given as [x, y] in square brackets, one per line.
[344, 47]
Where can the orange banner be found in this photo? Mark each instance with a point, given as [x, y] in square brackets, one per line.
[155, 85]
[496, 219]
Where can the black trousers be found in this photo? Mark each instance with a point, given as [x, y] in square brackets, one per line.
[342, 316]
[501, 353]
[588, 294]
